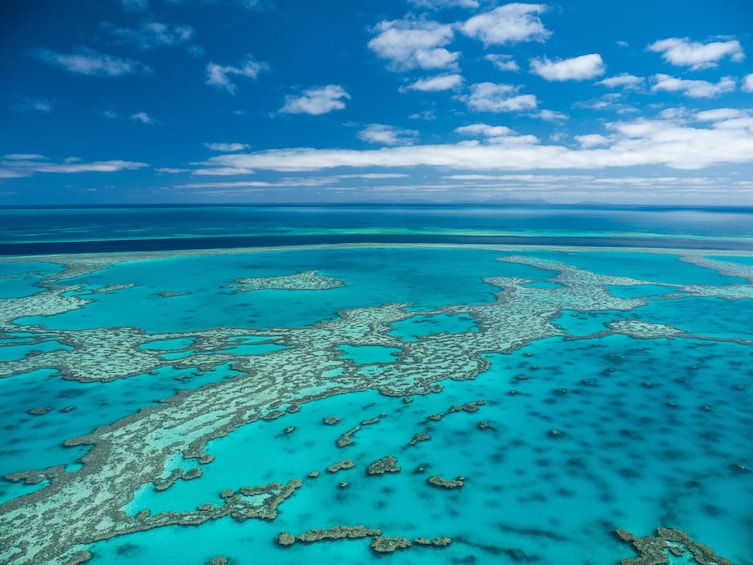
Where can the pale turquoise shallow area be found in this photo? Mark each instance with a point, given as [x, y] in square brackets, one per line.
[650, 429]
[425, 280]
[18, 279]
[34, 442]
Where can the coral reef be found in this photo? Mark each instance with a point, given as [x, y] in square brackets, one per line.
[652, 550]
[441, 482]
[387, 464]
[385, 544]
[340, 466]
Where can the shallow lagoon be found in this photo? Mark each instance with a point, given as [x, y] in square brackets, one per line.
[588, 427]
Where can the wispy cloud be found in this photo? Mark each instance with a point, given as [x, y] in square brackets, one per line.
[387, 135]
[436, 83]
[511, 23]
[219, 75]
[625, 80]
[26, 165]
[226, 147]
[490, 97]
[438, 4]
[686, 53]
[34, 105]
[503, 62]
[631, 143]
[316, 101]
[412, 43]
[92, 63]
[144, 118]
[134, 5]
[155, 34]
[693, 88]
[577, 68]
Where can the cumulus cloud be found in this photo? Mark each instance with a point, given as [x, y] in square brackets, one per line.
[625, 80]
[490, 97]
[748, 83]
[685, 53]
[577, 68]
[226, 147]
[592, 140]
[511, 23]
[88, 62]
[551, 115]
[693, 88]
[436, 83]
[411, 44]
[316, 101]
[156, 34]
[503, 62]
[387, 135]
[219, 75]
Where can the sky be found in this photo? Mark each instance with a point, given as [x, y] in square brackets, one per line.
[320, 101]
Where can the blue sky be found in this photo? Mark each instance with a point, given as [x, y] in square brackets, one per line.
[256, 101]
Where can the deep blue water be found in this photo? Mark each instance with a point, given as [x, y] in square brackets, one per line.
[67, 230]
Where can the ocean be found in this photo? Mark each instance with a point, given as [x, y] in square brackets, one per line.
[460, 384]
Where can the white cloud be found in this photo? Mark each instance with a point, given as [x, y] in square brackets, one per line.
[503, 62]
[156, 34]
[88, 62]
[387, 135]
[625, 80]
[493, 134]
[316, 101]
[490, 97]
[693, 88]
[510, 23]
[592, 140]
[144, 118]
[219, 75]
[23, 156]
[427, 115]
[438, 4]
[720, 114]
[21, 165]
[748, 83]
[410, 44]
[685, 53]
[630, 143]
[436, 83]
[226, 147]
[171, 170]
[577, 68]
[551, 115]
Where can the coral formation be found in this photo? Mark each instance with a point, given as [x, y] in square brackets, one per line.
[387, 464]
[652, 549]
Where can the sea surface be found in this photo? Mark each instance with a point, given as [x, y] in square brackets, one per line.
[454, 384]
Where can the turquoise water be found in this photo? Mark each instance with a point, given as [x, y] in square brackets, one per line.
[374, 276]
[572, 403]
